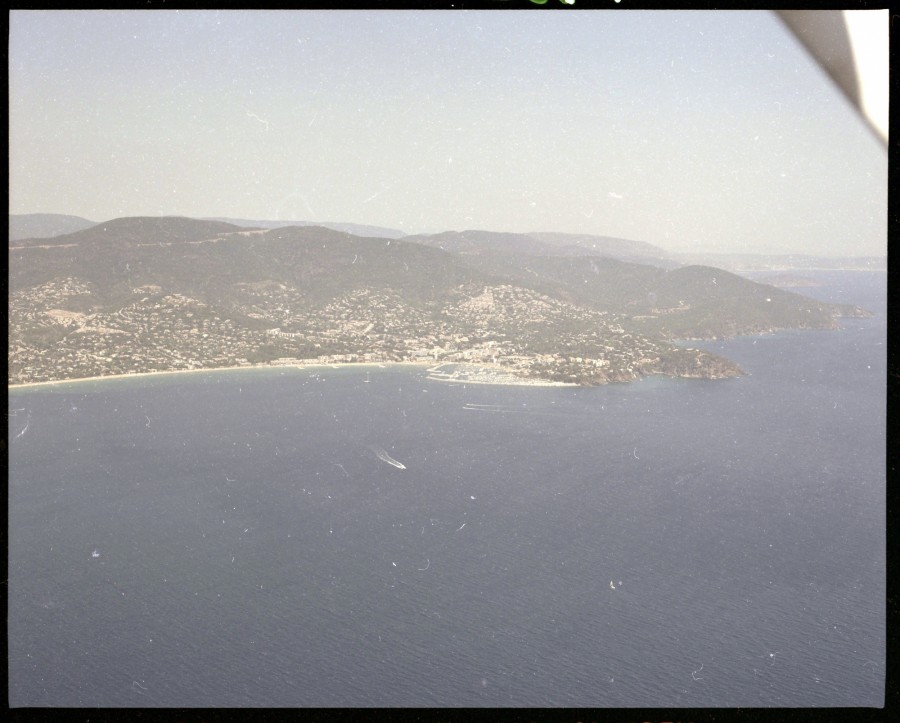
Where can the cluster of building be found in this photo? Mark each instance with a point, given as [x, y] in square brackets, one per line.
[60, 330]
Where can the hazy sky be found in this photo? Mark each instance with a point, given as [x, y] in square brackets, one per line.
[691, 130]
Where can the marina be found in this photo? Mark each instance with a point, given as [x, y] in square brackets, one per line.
[482, 374]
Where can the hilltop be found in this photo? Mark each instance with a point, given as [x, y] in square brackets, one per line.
[354, 228]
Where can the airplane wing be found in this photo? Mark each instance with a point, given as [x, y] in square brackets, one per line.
[852, 46]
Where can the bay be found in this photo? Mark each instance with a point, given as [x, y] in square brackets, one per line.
[241, 538]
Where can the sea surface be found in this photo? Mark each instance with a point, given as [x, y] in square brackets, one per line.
[350, 537]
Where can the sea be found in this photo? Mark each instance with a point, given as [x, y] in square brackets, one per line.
[360, 537]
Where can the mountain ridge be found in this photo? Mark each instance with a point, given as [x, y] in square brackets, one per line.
[357, 229]
[146, 293]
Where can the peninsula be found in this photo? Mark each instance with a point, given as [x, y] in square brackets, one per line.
[137, 295]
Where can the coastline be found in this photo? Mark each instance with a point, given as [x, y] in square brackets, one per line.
[486, 374]
[136, 375]
[428, 366]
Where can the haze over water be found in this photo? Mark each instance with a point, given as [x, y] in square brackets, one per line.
[241, 538]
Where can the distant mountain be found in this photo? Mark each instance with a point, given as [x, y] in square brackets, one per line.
[137, 230]
[478, 242]
[741, 263]
[617, 248]
[44, 225]
[354, 228]
[474, 242]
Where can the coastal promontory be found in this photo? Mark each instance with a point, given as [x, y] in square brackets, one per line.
[164, 294]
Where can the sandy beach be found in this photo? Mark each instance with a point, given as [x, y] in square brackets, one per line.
[299, 365]
[505, 378]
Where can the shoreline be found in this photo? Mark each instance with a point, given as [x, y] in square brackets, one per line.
[136, 375]
[476, 373]
[428, 366]
[469, 375]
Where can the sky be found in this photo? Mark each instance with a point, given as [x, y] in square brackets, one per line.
[696, 131]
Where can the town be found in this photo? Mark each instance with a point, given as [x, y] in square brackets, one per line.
[58, 332]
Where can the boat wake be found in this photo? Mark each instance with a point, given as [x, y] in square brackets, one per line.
[385, 457]
[510, 409]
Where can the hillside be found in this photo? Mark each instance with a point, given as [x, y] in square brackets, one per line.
[139, 294]
[611, 246]
[701, 302]
[474, 242]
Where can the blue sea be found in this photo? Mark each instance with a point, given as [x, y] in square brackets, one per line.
[351, 537]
